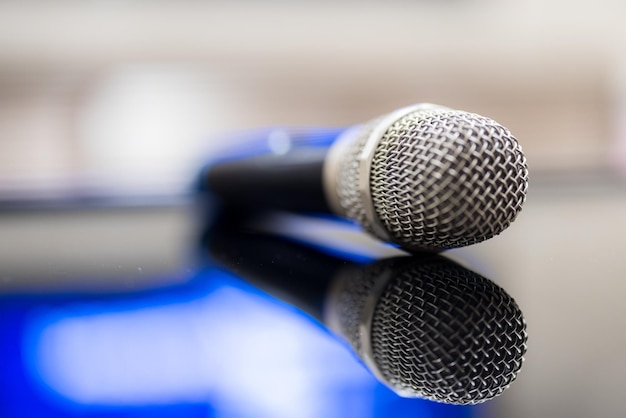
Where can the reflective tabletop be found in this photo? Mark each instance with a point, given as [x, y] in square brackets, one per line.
[161, 310]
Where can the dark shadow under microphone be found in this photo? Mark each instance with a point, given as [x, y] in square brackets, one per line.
[423, 325]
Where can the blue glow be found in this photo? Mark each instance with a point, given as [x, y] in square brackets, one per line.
[225, 346]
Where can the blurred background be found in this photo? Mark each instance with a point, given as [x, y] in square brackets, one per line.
[126, 99]
[95, 92]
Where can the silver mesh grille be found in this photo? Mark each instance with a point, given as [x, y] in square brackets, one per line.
[447, 334]
[356, 287]
[350, 199]
[439, 178]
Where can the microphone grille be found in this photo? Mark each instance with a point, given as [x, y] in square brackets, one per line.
[446, 179]
[348, 193]
[445, 333]
[439, 178]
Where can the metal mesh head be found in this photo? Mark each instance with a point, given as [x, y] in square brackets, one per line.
[440, 178]
[350, 199]
[438, 331]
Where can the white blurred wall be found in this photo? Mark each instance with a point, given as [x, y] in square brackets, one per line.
[95, 92]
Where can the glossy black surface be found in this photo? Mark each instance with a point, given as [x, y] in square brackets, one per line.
[135, 339]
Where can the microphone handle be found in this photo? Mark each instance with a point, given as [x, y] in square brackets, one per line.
[292, 181]
[292, 272]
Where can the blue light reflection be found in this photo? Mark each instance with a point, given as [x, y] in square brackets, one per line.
[233, 348]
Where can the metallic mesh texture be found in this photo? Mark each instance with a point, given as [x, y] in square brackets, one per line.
[445, 333]
[439, 179]
[350, 198]
[446, 179]
[355, 288]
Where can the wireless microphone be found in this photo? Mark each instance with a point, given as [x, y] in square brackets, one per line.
[425, 177]
[425, 326]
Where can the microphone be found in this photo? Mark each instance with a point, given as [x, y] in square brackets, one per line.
[425, 177]
[425, 326]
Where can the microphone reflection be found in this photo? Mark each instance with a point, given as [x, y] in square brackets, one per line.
[423, 325]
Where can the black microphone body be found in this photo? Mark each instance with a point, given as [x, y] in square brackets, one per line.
[294, 273]
[425, 177]
[291, 181]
